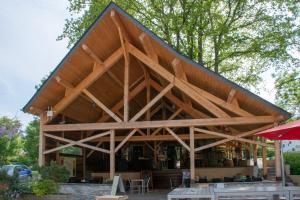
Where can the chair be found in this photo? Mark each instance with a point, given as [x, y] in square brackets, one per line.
[134, 187]
[146, 184]
[172, 185]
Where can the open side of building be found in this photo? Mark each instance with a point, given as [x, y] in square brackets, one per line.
[132, 103]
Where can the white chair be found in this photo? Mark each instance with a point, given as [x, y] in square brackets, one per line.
[133, 187]
[146, 184]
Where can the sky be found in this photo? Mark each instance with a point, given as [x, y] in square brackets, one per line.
[29, 51]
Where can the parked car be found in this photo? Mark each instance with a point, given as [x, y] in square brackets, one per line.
[21, 170]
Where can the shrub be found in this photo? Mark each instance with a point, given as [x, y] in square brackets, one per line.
[293, 159]
[55, 172]
[44, 187]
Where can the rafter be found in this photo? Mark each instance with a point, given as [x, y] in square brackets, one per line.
[197, 94]
[232, 98]
[180, 74]
[101, 105]
[86, 82]
[180, 84]
[161, 123]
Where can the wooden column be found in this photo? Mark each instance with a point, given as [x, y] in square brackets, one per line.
[112, 155]
[155, 154]
[277, 160]
[42, 144]
[83, 158]
[255, 154]
[264, 161]
[192, 153]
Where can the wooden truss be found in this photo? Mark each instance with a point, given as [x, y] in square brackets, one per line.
[208, 125]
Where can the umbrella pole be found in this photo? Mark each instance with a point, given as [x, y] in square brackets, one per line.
[282, 164]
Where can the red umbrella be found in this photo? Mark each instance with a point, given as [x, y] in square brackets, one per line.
[289, 131]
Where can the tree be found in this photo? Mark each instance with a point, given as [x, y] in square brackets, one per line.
[10, 139]
[31, 142]
[238, 39]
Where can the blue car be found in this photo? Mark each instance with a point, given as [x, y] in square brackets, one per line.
[21, 170]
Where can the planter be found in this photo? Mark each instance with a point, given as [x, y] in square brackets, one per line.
[47, 197]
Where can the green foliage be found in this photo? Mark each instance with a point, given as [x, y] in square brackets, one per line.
[44, 187]
[237, 38]
[10, 139]
[293, 159]
[55, 172]
[31, 143]
[288, 90]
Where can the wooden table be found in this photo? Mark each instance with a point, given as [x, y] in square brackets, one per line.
[139, 181]
[193, 193]
[110, 197]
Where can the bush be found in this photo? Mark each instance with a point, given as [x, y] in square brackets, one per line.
[44, 187]
[293, 159]
[55, 172]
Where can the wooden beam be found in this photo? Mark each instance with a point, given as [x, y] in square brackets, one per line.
[245, 134]
[119, 105]
[231, 137]
[125, 140]
[86, 82]
[42, 143]
[192, 153]
[178, 139]
[170, 118]
[158, 138]
[112, 155]
[197, 94]
[81, 141]
[152, 102]
[76, 143]
[180, 84]
[264, 162]
[277, 159]
[150, 51]
[231, 98]
[162, 123]
[101, 105]
[92, 151]
[180, 74]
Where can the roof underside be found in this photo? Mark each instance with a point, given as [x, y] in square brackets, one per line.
[103, 39]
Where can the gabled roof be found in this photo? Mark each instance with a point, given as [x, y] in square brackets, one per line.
[102, 37]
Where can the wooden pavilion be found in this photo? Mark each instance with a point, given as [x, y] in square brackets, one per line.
[122, 94]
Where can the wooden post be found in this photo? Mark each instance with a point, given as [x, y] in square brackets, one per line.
[155, 154]
[255, 154]
[264, 161]
[192, 153]
[112, 155]
[83, 158]
[277, 160]
[41, 143]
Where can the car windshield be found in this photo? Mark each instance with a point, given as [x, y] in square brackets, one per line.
[8, 168]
